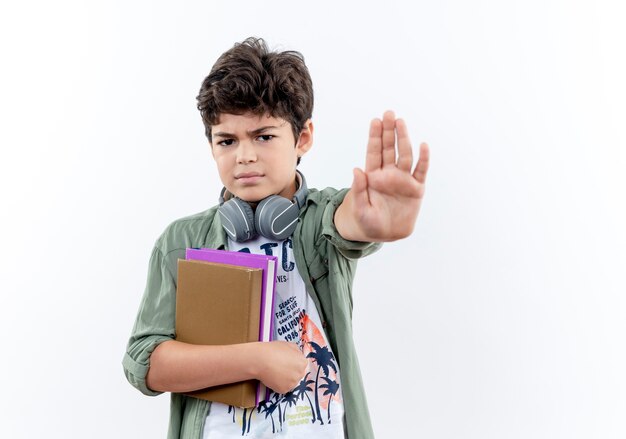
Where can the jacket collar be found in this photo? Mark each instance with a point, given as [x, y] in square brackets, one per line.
[216, 236]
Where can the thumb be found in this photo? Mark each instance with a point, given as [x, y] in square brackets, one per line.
[359, 187]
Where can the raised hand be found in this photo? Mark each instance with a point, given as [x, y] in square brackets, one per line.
[384, 200]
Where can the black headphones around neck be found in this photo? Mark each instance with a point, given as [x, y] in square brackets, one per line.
[275, 217]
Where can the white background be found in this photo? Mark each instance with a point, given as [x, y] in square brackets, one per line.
[502, 316]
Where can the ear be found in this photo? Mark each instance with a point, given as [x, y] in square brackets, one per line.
[305, 141]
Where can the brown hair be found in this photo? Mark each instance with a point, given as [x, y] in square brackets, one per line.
[250, 78]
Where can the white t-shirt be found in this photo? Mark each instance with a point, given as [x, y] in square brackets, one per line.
[314, 409]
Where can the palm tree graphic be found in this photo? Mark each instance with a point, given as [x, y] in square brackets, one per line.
[230, 407]
[277, 399]
[268, 409]
[245, 430]
[331, 387]
[290, 398]
[243, 422]
[324, 358]
[301, 392]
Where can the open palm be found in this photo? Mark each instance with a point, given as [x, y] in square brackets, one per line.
[386, 197]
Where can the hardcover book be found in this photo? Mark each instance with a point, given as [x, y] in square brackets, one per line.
[219, 304]
[265, 262]
[226, 302]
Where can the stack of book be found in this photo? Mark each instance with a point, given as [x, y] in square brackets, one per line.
[226, 297]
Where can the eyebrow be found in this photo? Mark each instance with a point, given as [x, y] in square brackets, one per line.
[249, 133]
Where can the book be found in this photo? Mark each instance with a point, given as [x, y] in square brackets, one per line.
[219, 304]
[268, 264]
[265, 262]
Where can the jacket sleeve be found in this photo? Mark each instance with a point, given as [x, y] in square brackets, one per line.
[349, 249]
[155, 322]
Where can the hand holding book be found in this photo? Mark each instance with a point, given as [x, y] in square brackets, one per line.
[281, 365]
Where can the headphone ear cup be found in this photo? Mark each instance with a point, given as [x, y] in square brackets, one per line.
[238, 219]
[276, 217]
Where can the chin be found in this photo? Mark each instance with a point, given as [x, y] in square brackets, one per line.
[252, 196]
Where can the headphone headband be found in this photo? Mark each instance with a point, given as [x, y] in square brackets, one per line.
[275, 217]
[298, 198]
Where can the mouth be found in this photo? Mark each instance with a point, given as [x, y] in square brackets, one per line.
[247, 178]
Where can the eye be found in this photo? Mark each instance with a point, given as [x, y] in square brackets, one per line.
[226, 142]
[265, 137]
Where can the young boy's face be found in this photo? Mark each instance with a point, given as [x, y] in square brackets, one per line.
[256, 155]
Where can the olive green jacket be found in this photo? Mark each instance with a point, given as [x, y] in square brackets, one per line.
[327, 264]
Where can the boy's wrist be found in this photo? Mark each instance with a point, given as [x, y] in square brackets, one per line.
[344, 221]
[253, 359]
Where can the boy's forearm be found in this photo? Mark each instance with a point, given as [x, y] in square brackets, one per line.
[182, 367]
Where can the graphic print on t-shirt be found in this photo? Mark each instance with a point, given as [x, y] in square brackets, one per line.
[314, 408]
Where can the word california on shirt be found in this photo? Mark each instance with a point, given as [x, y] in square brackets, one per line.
[314, 408]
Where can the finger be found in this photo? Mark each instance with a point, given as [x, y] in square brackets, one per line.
[359, 188]
[373, 158]
[405, 152]
[389, 139]
[422, 164]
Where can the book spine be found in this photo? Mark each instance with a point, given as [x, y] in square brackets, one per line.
[254, 320]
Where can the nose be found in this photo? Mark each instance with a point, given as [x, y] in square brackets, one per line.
[246, 153]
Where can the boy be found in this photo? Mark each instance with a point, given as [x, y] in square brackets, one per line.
[256, 106]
